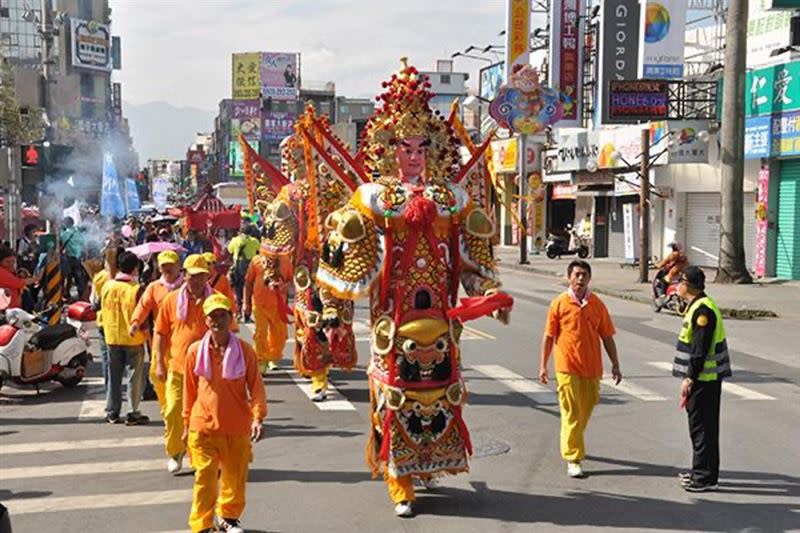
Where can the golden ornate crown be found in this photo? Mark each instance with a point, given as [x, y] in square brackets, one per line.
[405, 113]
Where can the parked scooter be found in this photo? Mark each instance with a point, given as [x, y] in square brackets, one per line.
[557, 245]
[667, 297]
[33, 353]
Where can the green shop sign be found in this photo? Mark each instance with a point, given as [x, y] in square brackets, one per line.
[772, 90]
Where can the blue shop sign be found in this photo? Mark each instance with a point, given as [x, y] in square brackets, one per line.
[786, 134]
[757, 137]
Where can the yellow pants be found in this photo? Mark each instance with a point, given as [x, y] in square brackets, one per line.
[401, 489]
[218, 458]
[160, 387]
[319, 379]
[577, 397]
[173, 414]
[270, 335]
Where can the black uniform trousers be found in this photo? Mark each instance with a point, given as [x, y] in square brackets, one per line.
[703, 410]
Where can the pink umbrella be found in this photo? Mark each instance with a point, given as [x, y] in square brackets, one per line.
[144, 251]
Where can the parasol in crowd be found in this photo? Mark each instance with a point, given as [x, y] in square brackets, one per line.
[146, 250]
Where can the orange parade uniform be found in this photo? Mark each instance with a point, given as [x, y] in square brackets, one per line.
[271, 329]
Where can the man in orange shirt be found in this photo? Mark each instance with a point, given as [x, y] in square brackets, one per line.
[265, 295]
[171, 278]
[218, 280]
[180, 322]
[224, 408]
[577, 322]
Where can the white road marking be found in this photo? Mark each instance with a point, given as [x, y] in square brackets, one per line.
[744, 393]
[334, 402]
[81, 469]
[535, 391]
[94, 403]
[632, 389]
[60, 446]
[100, 501]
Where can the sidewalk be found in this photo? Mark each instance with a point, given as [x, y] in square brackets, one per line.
[764, 299]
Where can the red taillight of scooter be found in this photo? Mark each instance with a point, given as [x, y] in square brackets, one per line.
[81, 311]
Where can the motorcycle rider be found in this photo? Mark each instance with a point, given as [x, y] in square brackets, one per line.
[670, 268]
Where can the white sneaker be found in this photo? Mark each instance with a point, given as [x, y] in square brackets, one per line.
[175, 464]
[403, 510]
[320, 396]
[228, 525]
[575, 470]
[429, 483]
[272, 366]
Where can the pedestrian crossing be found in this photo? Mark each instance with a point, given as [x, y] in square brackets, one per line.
[728, 388]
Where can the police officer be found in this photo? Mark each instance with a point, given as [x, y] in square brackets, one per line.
[702, 361]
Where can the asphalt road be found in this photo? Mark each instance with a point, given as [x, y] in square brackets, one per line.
[63, 469]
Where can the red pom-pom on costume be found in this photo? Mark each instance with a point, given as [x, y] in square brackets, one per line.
[420, 213]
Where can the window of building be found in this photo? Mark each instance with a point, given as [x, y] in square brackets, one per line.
[344, 109]
[4, 12]
[445, 79]
[85, 9]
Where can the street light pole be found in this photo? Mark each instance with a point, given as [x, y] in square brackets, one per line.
[523, 194]
[644, 208]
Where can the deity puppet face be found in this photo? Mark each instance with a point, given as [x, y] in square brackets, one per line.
[410, 155]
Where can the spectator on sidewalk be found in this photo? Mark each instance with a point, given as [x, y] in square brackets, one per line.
[577, 323]
[72, 243]
[9, 281]
[118, 299]
[224, 408]
[702, 361]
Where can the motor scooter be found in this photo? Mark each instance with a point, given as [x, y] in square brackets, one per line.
[33, 353]
[557, 245]
[667, 297]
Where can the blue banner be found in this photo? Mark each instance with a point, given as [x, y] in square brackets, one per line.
[786, 134]
[757, 137]
[111, 202]
[133, 195]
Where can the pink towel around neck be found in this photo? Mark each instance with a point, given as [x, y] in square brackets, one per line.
[233, 366]
[171, 286]
[183, 301]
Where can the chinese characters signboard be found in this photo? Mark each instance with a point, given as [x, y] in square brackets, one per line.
[277, 126]
[246, 76]
[772, 90]
[757, 138]
[664, 39]
[91, 45]
[786, 134]
[637, 100]
[518, 31]
[246, 119]
[566, 57]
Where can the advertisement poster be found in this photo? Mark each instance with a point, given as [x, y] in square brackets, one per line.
[767, 30]
[620, 43]
[111, 201]
[491, 78]
[688, 148]
[634, 101]
[786, 134]
[280, 77]
[236, 157]
[757, 137]
[664, 38]
[566, 57]
[276, 126]
[762, 225]
[246, 76]
[246, 119]
[518, 34]
[160, 192]
[91, 45]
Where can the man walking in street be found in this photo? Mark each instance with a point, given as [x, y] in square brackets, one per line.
[118, 299]
[179, 323]
[702, 361]
[72, 241]
[577, 323]
[243, 248]
[147, 309]
[224, 408]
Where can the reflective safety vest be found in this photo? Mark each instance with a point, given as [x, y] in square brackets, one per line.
[717, 364]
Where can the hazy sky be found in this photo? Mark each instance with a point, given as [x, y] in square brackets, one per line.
[179, 51]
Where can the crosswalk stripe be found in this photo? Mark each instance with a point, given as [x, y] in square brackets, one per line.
[60, 446]
[334, 402]
[83, 502]
[637, 391]
[536, 392]
[731, 388]
[81, 469]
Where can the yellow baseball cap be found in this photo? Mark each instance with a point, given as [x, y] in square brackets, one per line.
[168, 257]
[216, 301]
[195, 264]
[210, 258]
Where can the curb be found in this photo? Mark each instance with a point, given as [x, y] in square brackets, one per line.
[727, 312]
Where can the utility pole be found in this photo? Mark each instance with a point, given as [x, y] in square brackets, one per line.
[523, 197]
[644, 209]
[732, 267]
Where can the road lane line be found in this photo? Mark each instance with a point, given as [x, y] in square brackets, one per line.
[536, 392]
[632, 389]
[744, 393]
[93, 405]
[60, 446]
[81, 469]
[335, 400]
[474, 334]
[97, 501]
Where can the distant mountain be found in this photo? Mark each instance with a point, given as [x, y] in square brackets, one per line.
[164, 131]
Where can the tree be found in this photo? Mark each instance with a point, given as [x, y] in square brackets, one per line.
[18, 125]
[732, 267]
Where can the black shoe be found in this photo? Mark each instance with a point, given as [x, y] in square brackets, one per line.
[228, 524]
[694, 486]
[149, 394]
[113, 418]
[136, 419]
